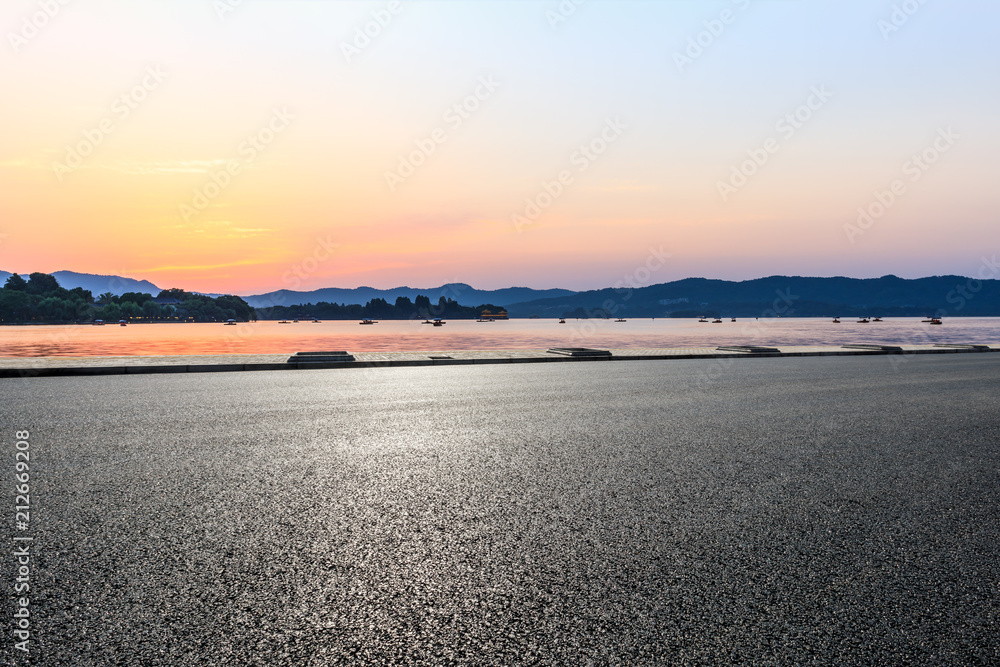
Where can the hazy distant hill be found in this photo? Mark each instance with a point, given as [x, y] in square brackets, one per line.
[788, 296]
[97, 284]
[460, 292]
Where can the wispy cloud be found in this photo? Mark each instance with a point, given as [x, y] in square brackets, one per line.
[196, 267]
[220, 229]
[622, 186]
[155, 168]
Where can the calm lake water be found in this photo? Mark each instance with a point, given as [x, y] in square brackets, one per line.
[274, 338]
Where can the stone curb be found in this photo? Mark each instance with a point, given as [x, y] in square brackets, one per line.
[75, 371]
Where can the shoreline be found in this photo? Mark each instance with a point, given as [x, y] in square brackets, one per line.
[23, 367]
[742, 319]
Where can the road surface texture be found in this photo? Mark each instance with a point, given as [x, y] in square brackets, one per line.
[840, 510]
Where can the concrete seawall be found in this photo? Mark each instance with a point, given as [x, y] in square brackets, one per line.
[11, 367]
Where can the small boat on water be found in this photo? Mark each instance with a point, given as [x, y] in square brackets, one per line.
[702, 319]
[733, 319]
[316, 322]
[836, 320]
[876, 319]
[122, 323]
[230, 323]
[367, 322]
[936, 320]
[438, 322]
[98, 323]
[284, 322]
[295, 321]
[620, 319]
[864, 320]
[717, 320]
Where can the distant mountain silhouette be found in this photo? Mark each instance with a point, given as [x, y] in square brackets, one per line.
[785, 296]
[460, 292]
[97, 284]
[464, 294]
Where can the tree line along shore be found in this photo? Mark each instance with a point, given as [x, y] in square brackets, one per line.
[39, 299]
[379, 309]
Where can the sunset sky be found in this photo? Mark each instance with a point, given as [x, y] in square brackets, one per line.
[227, 146]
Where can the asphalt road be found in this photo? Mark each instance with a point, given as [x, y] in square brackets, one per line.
[767, 511]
